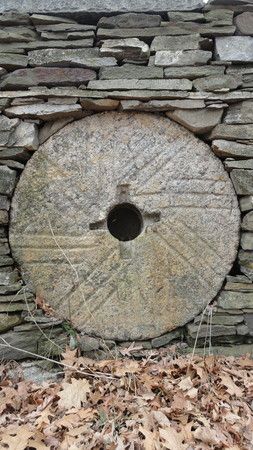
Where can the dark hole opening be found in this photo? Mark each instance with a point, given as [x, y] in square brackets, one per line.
[124, 222]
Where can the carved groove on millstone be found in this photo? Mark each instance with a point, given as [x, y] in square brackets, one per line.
[125, 289]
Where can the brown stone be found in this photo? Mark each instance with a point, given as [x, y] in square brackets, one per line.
[177, 257]
[198, 121]
[105, 104]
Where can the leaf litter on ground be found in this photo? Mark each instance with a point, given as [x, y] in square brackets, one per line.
[163, 402]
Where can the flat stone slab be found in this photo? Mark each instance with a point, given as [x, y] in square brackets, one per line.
[188, 214]
[234, 48]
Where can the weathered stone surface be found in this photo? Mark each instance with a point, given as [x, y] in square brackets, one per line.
[15, 306]
[88, 344]
[111, 289]
[112, 85]
[178, 16]
[46, 111]
[234, 48]
[4, 217]
[16, 153]
[232, 149]
[71, 58]
[66, 27]
[165, 339]
[5, 261]
[242, 330]
[130, 71]
[240, 113]
[220, 17]
[7, 278]
[247, 241]
[198, 121]
[12, 164]
[14, 18]
[7, 181]
[244, 23]
[39, 19]
[246, 265]
[241, 164]
[217, 83]
[243, 181]
[100, 104]
[51, 127]
[130, 20]
[246, 204]
[4, 203]
[47, 76]
[232, 132]
[50, 35]
[161, 105]
[25, 135]
[165, 58]
[8, 321]
[217, 330]
[17, 34]
[192, 72]
[230, 300]
[7, 127]
[20, 47]
[132, 49]
[247, 222]
[13, 61]
[220, 319]
[174, 43]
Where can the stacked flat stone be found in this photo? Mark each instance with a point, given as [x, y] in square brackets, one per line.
[187, 60]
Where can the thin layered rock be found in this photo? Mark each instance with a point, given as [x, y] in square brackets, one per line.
[173, 84]
[130, 20]
[132, 49]
[180, 58]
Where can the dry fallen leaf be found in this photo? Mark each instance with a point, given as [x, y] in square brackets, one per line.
[74, 394]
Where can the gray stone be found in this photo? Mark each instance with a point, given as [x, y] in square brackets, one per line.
[14, 18]
[66, 27]
[217, 83]
[132, 49]
[198, 121]
[7, 181]
[51, 127]
[39, 19]
[7, 278]
[242, 330]
[220, 17]
[249, 321]
[238, 300]
[130, 20]
[4, 203]
[204, 330]
[5, 261]
[4, 217]
[192, 72]
[247, 241]
[47, 76]
[232, 132]
[178, 16]
[242, 287]
[13, 61]
[243, 181]
[12, 164]
[220, 319]
[111, 85]
[4, 246]
[173, 43]
[17, 298]
[130, 71]
[74, 35]
[99, 105]
[8, 321]
[240, 113]
[88, 344]
[246, 204]
[118, 280]
[15, 306]
[20, 47]
[181, 58]
[247, 221]
[4, 102]
[237, 350]
[246, 264]
[244, 23]
[17, 34]
[45, 111]
[10, 288]
[71, 58]
[7, 127]
[25, 135]
[160, 105]
[16, 153]
[234, 48]
[241, 164]
[232, 149]
[165, 339]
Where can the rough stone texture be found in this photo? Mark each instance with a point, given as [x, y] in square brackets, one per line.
[19, 47]
[137, 289]
[68, 57]
[247, 222]
[240, 113]
[232, 132]
[241, 164]
[232, 149]
[234, 48]
[174, 43]
[130, 20]
[217, 330]
[230, 300]
[17, 34]
[66, 27]
[165, 58]
[244, 23]
[243, 181]
[39, 19]
[8, 321]
[246, 263]
[130, 71]
[51, 127]
[112, 85]
[13, 61]
[47, 76]
[7, 180]
[46, 111]
[99, 105]
[246, 204]
[132, 49]
[165, 339]
[198, 121]
[247, 241]
[178, 16]
[160, 105]
[192, 72]
[218, 83]
[25, 135]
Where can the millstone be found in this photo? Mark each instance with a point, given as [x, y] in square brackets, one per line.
[126, 224]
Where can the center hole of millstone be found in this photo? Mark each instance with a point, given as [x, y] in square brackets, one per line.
[125, 222]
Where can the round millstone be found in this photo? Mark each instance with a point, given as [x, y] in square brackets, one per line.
[126, 224]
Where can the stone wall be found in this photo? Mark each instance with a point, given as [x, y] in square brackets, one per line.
[192, 63]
